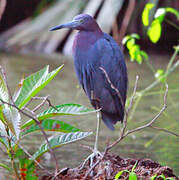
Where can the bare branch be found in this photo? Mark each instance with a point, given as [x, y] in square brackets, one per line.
[126, 116]
[165, 130]
[155, 118]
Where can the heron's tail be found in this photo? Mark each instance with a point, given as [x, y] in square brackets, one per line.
[111, 119]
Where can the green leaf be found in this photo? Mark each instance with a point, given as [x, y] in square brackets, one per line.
[132, 176]
[173, 11]
[136, 36]
[160, 75]
[130, 43]
[133, 168]
[29, 85]
[145, 13]
[34, 83]
[60, 110]
[170, 178]
[59, 140]
[27, 169]
[5, 166]
[134, 51]
[51, 125]
[160, 14]
[117, 176]
[154, 31]
[144, 54]
[153, 177]
[139, 58]
[128, 37]
[162, 176]
[125, 39]
[13, 119]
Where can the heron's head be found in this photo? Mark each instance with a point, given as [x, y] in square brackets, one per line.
[82, 22]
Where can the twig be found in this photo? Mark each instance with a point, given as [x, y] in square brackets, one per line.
[154, 119]
[126, 116]
[165, 130]
[133, 95]
[44, 100]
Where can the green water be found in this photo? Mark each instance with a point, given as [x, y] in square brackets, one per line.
[148, 143]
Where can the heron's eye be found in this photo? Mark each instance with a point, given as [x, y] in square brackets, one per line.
[81, 20]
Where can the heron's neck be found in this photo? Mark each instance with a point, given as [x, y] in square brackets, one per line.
[84, 39]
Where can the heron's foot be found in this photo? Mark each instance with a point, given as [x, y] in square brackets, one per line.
[91, 158]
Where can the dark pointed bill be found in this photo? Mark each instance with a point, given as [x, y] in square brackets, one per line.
[70, 25]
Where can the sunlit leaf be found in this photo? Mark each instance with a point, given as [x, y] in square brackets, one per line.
[59, 140]
[12, 118]
[134, 35]
[162, 177]
[34, 83]
[154, 31]
[153, 177]
[129, 37]
[145, 13]
[173, 11]
[125, 39]
[160, 14]
[134, 51]
[51, 125]
[130, 43]
[132, 176]
[60, 110]
[117, 176]
[160, 75]
[139, 58]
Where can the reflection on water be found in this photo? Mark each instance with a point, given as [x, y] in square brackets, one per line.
[64, 88]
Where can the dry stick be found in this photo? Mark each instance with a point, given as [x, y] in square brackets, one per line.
[126, 116]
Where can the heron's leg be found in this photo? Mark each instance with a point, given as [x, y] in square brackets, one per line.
[96, 153]
[97, 131]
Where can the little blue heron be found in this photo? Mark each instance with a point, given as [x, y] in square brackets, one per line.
[99, 65]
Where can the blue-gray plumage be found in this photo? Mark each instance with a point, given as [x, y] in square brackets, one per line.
[93, 49]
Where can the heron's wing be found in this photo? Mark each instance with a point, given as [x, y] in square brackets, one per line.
[112, 61]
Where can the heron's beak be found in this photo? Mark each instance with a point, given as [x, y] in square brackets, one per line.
[71, 25]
